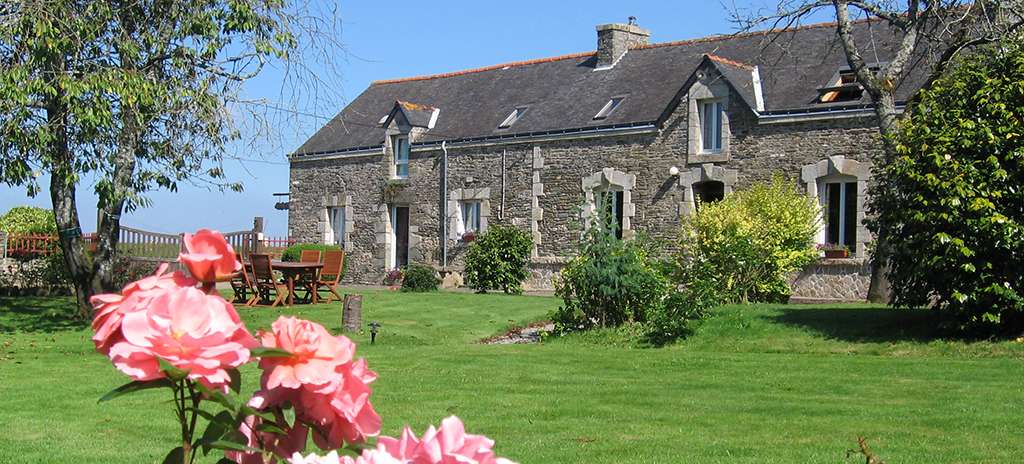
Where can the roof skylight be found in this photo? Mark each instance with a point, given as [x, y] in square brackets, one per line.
[612, 104]
[513, 117]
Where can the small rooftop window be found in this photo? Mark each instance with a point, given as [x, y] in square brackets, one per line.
[513, 117]
[842, 87]
[609, 107]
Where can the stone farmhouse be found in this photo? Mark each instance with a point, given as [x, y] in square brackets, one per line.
[409, 167]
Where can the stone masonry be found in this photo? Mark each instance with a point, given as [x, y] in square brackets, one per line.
[540, 184]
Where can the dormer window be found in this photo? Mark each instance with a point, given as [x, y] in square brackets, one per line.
[400, 144]
[607, 109]
[843, 87]
[711, 125]
[513, 117]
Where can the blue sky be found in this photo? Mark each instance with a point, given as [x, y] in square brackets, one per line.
[388, 40]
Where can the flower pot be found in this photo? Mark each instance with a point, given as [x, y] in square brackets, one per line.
[837, 254]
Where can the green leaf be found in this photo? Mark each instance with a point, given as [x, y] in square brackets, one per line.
[270, 353]
[172, 372]
[231, 446]
[135, 386]
[176, 456]
[236, 380]
[221, 423]
[265, 427]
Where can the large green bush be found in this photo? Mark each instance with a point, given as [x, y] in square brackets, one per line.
[608, 283]
[294, 252]
[419, 278]
[498, 259]
[28, 220]
[744, 247]
[950, 206]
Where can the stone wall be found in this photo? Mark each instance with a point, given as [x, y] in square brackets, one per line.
[541, 186]
[832, 280]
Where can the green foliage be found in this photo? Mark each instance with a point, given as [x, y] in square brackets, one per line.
[609, 282]
[498, 259]
[28, 220]
[743, 247]
[949, 206]
[420, 278]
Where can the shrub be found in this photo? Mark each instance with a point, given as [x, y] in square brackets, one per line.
[498, 259]
[294, 252]
[745, 246]
[948, 206]
[420, 278]
[28, 220]
[608, 283]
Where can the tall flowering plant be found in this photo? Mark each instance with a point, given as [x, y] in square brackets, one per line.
[173, 331]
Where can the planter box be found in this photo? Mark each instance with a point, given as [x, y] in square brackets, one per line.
[837, 254]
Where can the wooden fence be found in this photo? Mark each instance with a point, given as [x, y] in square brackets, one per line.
[138, 243]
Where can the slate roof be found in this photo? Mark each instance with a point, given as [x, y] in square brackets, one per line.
[564, 93]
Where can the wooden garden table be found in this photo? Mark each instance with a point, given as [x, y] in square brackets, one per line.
[290, 270]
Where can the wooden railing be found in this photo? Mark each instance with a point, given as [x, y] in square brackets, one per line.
[145, 244]
[275, 246]
[32, 245]
[138, 243]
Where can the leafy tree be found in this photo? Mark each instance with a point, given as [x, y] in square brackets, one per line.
[28, 220]
[954, 209]
[137, 95]
[928, 34]
[498, 259]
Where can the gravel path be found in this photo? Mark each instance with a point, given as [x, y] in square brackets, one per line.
[522, 335]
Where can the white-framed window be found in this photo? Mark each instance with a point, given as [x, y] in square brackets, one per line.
[469, 215]
[711, 125]
[512, 117]
[840, 202]
[400, 143]
[336, 225]
[607, 109]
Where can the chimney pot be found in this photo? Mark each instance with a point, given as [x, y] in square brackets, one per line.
[613, 40]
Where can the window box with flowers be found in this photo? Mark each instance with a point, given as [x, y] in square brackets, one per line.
[834, 250]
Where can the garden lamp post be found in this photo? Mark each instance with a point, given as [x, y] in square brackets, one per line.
[374, 327]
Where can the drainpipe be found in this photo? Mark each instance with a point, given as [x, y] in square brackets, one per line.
[444, 205]
[501, 212]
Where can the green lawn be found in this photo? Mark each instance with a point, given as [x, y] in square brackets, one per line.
[754, 384]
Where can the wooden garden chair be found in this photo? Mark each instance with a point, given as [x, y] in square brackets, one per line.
[308, 280]
[242, 285]
[264, 281]
[330, 275]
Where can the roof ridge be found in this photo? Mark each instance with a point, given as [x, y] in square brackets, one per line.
[729, 62]
[512, 64]
[713, 38]
[739, 35]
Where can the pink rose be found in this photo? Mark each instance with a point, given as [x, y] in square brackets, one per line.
[329, 390]
[111, 307]
[316, 356]
[189, 329]
[449, 444]
[208, 256]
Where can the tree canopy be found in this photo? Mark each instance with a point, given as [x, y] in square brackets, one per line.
[954, 208]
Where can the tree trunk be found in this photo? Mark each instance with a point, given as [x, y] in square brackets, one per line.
[63, 182]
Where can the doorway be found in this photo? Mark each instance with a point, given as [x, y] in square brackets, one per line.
[399, 236]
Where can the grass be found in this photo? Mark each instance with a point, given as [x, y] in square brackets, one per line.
[754, 384]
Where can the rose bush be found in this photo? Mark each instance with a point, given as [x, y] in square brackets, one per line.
[172, 331]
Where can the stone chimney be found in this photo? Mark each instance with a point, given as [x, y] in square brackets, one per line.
[613, 40]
